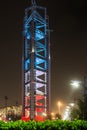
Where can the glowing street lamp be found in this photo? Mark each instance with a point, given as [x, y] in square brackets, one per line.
[72, 104]
[44, 114]
[52, 113]
[75, 83]
[59, 105]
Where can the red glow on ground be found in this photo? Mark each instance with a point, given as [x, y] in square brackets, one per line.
[37, 118]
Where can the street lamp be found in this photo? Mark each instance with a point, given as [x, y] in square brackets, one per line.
[59, 105]
[6, 98]
[44, 115]
[75, 83]
[52, 115]
[78, 84]
[72, 104]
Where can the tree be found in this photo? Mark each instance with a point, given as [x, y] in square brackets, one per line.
[80, 112]
[49, 116]
[85, 108]
[74, 113]
[58, 116]
[6, 98]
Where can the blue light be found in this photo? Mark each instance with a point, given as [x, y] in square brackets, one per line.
[27, 62]
[40, 64]
[41, 50]
[28, 35]
[39, 35]
[39, 61]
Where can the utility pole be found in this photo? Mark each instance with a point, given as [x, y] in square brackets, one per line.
[6, 98]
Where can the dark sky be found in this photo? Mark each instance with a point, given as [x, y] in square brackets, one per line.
[68, 22]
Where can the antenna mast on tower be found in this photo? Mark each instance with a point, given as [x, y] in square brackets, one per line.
[33, 2]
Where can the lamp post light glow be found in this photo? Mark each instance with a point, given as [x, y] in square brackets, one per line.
[59, 105]
[53, 116]
[75, 83]
[52, 113]
[44, 114]
[72, 104]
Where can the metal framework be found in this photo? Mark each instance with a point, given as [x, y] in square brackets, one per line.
[36, 63]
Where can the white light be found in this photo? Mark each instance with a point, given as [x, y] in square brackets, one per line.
[32, 49]
[9, 118]
[44, 114]
[66, 116]
[75, 83]
[49, 57]
[72, 104]
[67, 109]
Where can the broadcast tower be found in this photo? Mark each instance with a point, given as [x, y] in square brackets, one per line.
[36, 63]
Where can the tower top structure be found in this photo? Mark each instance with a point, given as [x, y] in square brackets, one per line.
[33, 2]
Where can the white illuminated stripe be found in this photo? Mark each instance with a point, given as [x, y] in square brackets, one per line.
[39, 85]
[33, 50]
[27, 87]
[39, 79]
[39, 73]
[39, 92]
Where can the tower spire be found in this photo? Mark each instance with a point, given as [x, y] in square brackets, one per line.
[33, 2]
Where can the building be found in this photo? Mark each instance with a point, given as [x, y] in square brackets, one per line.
[36, 63]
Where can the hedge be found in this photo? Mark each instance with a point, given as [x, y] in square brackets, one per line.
[46, 125]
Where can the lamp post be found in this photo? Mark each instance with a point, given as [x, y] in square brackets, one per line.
[44, 116]
[75, 85]
[6, 98]
[59, 106]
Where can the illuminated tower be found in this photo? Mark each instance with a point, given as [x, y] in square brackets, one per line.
[36, 63]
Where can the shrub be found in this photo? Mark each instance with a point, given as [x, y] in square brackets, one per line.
[46, 125]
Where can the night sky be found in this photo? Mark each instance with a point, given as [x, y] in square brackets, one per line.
[68, 24]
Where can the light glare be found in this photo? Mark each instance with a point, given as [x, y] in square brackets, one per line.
[75, 83]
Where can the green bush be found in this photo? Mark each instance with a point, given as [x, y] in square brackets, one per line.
[46, 125]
